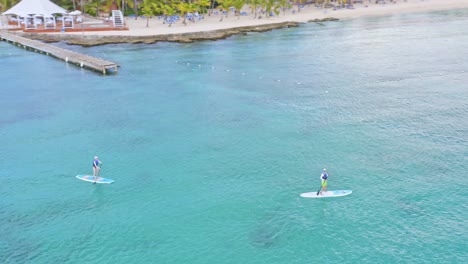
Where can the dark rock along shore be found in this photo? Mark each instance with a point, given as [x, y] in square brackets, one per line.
[95, 40]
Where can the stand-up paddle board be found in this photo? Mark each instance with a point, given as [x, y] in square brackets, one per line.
[327, 194]
[91, 178]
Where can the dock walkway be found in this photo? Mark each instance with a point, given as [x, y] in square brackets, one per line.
[81, 60]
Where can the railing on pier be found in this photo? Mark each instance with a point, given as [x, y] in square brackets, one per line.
[81, 60]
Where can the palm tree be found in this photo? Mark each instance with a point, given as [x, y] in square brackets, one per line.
[6, 4]
[271, 6]
[135, 8]
[169, 10]
[72, 4]
[238, 4]
[224, 5]
[158, 7]
[130, 4]
[299, 3]
[285, 4]
[185, 8]
[203, 5]
[254, 4]
[94, 7]
[165, 9]
[212, 3]
[148, 9]
[120, 4]
[67, 4]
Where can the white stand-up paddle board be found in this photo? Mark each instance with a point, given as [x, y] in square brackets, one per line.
[328, 194]
[91, 178]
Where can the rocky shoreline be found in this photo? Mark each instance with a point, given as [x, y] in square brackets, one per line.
[95, 40]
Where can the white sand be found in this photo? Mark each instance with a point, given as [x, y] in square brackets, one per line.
[368, 8]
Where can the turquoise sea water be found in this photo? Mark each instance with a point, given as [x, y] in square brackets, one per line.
[211, 143]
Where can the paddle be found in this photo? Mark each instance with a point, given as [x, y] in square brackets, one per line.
[97, 174]
[319, 190]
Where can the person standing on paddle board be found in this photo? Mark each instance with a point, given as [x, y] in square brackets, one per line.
[324, 177]
[96, 168]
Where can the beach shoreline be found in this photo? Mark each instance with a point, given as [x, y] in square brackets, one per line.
[211, 28]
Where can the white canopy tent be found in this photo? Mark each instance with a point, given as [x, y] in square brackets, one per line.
[35, 7]
[35, 12]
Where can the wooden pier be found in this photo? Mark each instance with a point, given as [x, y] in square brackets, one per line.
[81, 60]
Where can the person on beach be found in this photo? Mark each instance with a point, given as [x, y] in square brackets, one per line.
[96, 168]
[323, 178]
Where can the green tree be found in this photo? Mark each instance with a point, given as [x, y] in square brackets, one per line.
[254, 4]
[167, 9]
[148, 9]
[67, 4]
[285, 5]
[224, 5]
[271, 6]
[6, 4]
[135, 8]
[238, 4]
[185, 8]
[299, 3]
[203, 5]
[122, 4]
[94, 7]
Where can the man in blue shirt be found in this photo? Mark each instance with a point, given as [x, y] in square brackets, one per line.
[96, 167]
[324, 177]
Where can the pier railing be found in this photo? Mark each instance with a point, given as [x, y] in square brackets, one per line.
[78, 59]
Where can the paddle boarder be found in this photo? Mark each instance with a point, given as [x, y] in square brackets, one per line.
[96, 167]
[323, 178]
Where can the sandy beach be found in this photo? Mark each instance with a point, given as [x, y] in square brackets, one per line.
[212, 27]
[137, 27]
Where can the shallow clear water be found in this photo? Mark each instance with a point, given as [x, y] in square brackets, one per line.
[211, 143]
